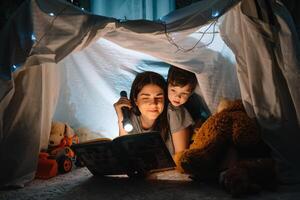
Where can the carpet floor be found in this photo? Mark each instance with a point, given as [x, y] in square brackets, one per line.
[81, 184]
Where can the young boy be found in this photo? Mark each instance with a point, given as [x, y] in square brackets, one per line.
[181, 85]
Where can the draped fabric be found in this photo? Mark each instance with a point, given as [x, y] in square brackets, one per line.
[266, 46]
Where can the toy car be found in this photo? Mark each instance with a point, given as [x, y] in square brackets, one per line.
[57, 159]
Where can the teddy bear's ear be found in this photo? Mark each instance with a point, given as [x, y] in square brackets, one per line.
[223, 104]
[69, 132]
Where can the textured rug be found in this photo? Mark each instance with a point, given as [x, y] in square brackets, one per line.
[81, 184]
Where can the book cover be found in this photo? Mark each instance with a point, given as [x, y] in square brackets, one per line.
[128, 154]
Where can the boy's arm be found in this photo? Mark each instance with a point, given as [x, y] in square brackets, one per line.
[181, 139]
[180, 122]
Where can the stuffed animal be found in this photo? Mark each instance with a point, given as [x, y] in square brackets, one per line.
[228, 148]
[61, 135]
[59, 156]
[61, 138]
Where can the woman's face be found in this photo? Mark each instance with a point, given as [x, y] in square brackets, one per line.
[150, 101]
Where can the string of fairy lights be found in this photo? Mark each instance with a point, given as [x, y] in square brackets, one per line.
[168, 35]
[196, 44]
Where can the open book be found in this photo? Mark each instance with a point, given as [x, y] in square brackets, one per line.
[128, 154]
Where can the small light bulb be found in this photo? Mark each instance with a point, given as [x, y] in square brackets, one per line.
[128, 127]
[33, 38]
[215, 13]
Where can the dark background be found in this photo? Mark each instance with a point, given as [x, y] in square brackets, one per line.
[7, 8]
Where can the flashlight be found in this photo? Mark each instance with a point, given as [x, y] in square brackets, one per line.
[126, 115]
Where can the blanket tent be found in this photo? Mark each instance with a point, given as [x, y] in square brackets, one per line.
[58, 62]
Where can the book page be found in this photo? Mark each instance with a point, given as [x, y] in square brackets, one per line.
[97, 140]
[143, 152]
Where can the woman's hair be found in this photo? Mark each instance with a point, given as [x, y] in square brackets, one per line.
[153, 78]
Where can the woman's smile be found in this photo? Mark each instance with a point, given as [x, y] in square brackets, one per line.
[151, 101]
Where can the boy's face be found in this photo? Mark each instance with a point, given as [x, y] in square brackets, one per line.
[178, 95]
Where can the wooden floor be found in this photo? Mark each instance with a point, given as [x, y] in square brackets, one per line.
[81, 184]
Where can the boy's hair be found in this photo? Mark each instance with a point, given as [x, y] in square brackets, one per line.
[180, 77]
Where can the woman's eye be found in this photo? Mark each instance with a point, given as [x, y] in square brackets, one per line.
[145, 99]
[159, 99]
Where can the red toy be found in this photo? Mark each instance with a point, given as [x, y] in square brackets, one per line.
[59, 157]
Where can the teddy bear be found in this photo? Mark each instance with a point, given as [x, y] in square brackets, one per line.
[228, 148]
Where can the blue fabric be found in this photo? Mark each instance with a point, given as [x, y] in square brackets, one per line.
[133, 9]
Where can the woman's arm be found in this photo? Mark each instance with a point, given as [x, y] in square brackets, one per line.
[181, 139]
[123, 101]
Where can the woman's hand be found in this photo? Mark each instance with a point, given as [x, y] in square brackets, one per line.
[123, 101]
